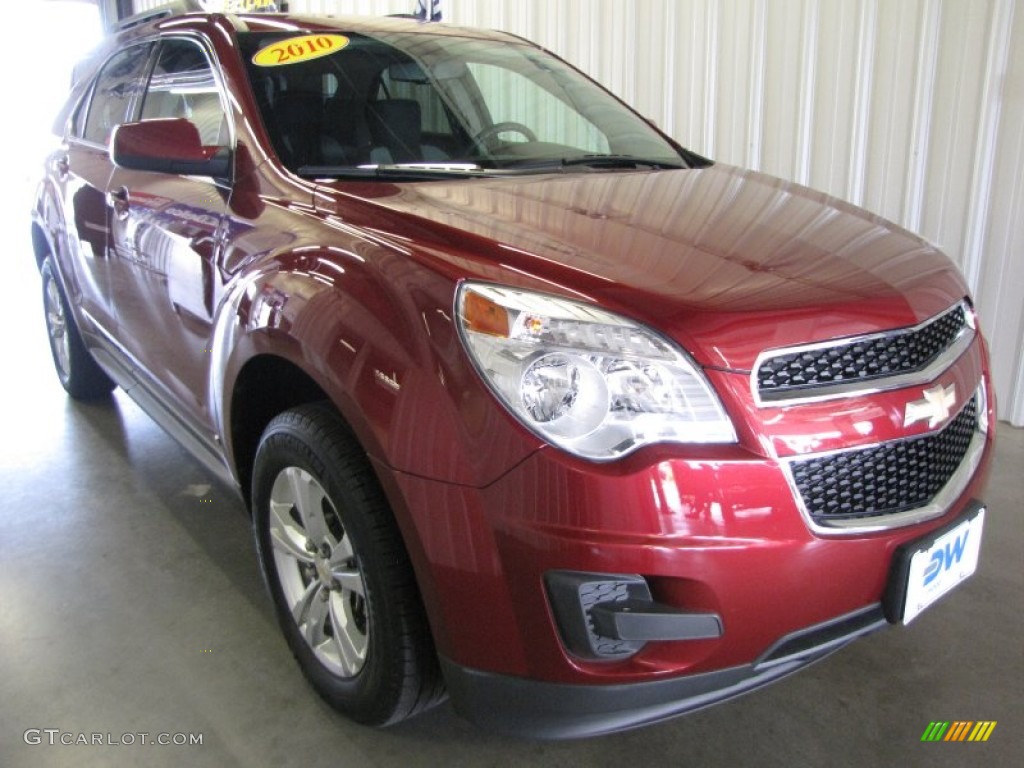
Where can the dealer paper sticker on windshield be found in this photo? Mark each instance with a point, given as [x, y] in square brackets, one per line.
[296, 49]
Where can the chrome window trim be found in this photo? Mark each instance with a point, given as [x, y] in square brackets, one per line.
[823, 392]
[939, 504]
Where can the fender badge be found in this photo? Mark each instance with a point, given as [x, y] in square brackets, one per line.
[935, 407]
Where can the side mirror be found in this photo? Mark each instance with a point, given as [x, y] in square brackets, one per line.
[167, 146]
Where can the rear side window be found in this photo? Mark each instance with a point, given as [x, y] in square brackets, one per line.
[117, 86]
[183, 85]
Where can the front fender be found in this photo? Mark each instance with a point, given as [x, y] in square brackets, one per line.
[374, 332]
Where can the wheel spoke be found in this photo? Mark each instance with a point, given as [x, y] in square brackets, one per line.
[306, 605]
[308, 497]
[349, 643]
[344, 571]
[285, 535]
[349, 579]
[342, 552]
[300, 610]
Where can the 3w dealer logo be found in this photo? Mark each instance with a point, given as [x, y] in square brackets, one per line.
[959, 730]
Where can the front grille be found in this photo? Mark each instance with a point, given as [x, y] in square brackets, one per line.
[860, 360]
[885, 479]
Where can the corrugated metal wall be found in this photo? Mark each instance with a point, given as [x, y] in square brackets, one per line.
[913, 109]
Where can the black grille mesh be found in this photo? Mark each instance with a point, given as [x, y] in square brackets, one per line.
[889, 355]
[884, 479]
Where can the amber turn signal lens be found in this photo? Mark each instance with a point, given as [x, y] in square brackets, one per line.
[484, 316]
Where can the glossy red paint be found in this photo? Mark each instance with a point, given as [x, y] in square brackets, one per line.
[730, 262]
[208, 292]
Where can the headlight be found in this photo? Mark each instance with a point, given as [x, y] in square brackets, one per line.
[589, 381]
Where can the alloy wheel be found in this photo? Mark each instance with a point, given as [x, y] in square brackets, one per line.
[318, 571]
[57, 328]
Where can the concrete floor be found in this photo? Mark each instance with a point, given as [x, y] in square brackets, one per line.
[130, 601]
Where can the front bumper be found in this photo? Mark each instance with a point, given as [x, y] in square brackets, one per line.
[739, 589]
[720, 536]
[557, 710]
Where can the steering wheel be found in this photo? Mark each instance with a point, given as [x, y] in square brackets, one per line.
[491, 131]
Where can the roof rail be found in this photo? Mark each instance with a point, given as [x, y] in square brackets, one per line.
[175, 8]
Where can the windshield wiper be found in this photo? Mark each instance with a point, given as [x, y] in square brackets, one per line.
[441, 170]
[399, 171]
[603, 161]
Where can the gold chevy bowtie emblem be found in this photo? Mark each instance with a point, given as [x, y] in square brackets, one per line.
[935, 407]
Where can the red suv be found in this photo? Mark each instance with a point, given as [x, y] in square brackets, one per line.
[529, 403]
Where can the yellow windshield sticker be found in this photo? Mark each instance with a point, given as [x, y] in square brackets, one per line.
[296, 49]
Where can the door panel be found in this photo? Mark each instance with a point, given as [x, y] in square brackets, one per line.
[165, 234]
[165, 237]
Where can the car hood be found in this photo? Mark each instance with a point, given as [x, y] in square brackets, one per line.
[728, 262]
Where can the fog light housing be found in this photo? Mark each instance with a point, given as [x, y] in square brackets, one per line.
[612, 616]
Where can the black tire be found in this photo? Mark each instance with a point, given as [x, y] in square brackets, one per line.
[338, 573]
[78, 372]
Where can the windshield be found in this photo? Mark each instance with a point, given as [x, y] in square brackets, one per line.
[352, 105]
